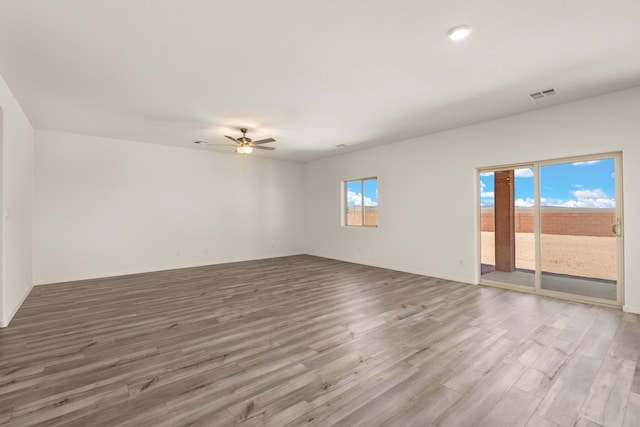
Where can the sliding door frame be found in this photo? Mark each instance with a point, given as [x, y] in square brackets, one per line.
[537, 289]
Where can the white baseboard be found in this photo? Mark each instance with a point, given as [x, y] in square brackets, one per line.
[5, 322]
[117, 273]
[396, 268]
[628, 309]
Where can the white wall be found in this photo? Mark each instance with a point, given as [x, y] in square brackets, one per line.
[428, 194]
[107, 207]
[16, 197]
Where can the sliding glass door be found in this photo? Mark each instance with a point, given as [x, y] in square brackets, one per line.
[578, 236]
[554, 228]
[507, 226]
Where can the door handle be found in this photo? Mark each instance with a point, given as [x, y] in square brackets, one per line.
[615, 228]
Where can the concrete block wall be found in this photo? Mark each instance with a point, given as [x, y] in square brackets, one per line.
[567, 221]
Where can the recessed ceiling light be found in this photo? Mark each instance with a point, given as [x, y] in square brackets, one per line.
[459, 32]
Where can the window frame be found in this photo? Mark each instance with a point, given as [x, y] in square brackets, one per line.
[345, 204]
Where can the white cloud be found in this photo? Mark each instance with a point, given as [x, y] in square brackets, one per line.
[523, 173]
[585, 194]
[550, 202]
[587, 163]
[520, 173]
[589, 203]
[485, 194]
[584, 199]
[356, 199]
[523, 203]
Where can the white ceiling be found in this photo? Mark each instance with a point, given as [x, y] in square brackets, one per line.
[312, 74]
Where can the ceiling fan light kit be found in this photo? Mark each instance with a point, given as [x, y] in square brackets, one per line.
[244, 149]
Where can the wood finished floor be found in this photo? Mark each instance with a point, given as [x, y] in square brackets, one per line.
[309, 341]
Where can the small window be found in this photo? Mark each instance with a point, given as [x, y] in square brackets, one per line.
[361, 202]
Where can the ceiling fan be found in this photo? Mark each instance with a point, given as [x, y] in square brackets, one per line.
[244, 144]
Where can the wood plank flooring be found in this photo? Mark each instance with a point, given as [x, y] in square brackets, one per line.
[310, 341]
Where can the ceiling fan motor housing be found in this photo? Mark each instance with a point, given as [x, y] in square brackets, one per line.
[243, 139]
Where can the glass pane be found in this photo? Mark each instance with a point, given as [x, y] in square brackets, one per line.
[487, 223]
[354, 203]
[507, 226]
[577, 244]
[371, 202]
[525, 226]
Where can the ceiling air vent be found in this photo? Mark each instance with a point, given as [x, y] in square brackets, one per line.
[542, 94]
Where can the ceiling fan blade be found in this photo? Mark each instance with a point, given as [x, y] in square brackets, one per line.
[264, 148]
[232, 138]
[264, 141]
[201, 142]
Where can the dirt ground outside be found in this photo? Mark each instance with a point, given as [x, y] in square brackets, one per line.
[582, 256]
[354, 215]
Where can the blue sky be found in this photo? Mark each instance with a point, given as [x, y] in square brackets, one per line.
[589, 184]
[354, 193]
